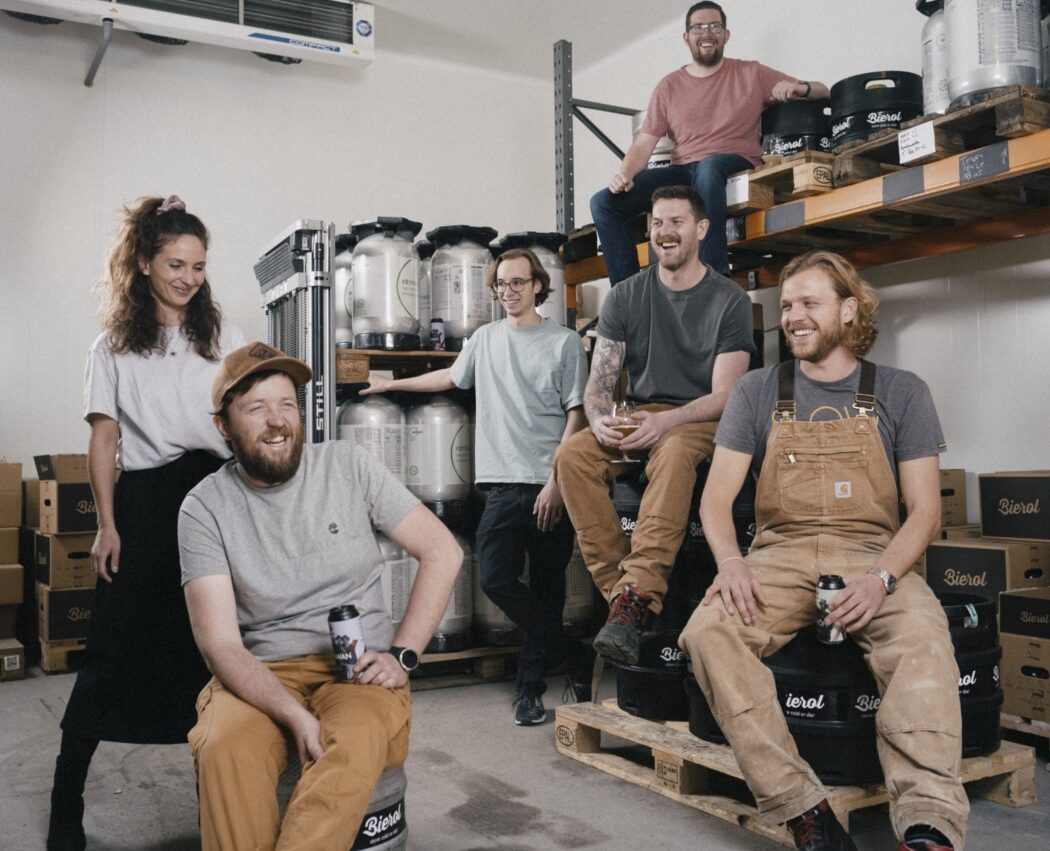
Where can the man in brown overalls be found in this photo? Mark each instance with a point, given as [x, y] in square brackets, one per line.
[833, 439]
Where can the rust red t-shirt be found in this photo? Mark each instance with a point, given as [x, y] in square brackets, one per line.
[720, 114]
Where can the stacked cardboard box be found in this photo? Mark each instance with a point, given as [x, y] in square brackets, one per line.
[1024, 623]
[12, 655]
[65, 583]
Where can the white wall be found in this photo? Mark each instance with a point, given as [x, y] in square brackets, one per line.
[250, 146]
[975, 325]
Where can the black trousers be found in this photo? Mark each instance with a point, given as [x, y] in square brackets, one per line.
[507, 532]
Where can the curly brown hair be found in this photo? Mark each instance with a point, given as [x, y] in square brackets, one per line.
[862, 330]
[128, 307]
[535, 269]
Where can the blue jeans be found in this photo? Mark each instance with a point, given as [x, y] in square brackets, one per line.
[507, 531]
[612, 214]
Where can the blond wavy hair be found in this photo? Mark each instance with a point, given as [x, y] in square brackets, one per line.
[862, 330]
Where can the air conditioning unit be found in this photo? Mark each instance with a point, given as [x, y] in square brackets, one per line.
[340, 31]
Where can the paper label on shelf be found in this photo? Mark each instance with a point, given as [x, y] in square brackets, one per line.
[916, 142]
[736, 189]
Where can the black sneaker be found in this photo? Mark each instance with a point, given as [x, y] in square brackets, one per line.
[528, 709]
[818, 830]
[577, 688]
[924, 837]
[617, 641]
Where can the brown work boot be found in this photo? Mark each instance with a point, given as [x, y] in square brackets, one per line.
[817, 829]
[617, 641]
[924, 837]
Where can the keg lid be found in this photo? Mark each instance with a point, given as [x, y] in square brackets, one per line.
[877, 90]
[345, 242]
[552, 241]
[929, 7]
[455, 234]
[389, 226]
[424, 249]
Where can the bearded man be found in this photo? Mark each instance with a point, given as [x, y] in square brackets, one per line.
[711, 109]
[270, 544]
[835, 443]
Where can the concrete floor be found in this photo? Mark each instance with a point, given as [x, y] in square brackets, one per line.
[476, 781]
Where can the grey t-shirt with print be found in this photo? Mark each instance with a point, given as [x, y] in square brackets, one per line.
[525, 381]
[296, 550]
[908, 423]
[673, 336]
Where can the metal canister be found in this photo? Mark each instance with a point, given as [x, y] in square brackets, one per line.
[348, 640]
[828, 587]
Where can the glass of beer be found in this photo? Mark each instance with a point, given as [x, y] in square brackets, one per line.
[623, 411]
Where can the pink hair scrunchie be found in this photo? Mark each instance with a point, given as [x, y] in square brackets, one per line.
[174, 202]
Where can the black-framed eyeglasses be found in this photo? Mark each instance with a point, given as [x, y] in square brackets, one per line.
[714, 28]
[515, 285]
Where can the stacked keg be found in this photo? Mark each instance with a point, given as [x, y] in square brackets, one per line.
[385, 284]
[458, 295]
[865, 104]
[425, 252]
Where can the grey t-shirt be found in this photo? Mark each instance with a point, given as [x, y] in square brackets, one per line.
[296, 550]
[525, 379]
[673, 336]
[908, 423]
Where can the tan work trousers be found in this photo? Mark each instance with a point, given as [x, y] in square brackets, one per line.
[910, 655]
[584, 469]
[240, 752]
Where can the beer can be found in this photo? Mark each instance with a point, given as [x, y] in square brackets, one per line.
[437, 334]
[348, 640]
[828, 587]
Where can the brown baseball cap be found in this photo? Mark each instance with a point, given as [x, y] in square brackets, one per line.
[252, 358]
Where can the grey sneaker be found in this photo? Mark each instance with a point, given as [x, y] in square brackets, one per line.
[528, 709]
[617, 641]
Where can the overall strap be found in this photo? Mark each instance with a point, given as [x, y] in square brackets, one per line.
[864, 398]
[785, 407]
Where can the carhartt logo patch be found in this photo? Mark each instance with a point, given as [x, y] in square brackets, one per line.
[333, 528]
[843, 490]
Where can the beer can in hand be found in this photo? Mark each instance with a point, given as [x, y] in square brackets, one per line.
[828, 587]
[348, 640]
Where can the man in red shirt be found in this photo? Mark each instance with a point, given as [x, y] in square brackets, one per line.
[711, 109]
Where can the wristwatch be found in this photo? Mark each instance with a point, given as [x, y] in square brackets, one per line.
[889, 581]
[406, 657]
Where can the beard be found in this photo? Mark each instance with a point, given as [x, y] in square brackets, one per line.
[258, 465]
[708, 60]
[673, 262]
[817, 346]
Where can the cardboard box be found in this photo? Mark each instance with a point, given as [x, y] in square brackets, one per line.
[951, 533]
[57, 657]
[9, 545]
[10, 584]
[10, 494]
[66, 501]
[8, 620]
[64, 613]
[64, 561]
[1025, 676]
[1025, 612]
[953, 497]
[985, 567]
[12, 660]
[1016, 505]
[31, 503]
[350, 367]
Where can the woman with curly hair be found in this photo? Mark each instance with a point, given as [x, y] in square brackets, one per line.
[147, 398]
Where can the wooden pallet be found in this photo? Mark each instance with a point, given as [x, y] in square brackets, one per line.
[797, 176]
[465, 667]
[1001, 114]
[685, 768]
[1028, 726]
[60, 657]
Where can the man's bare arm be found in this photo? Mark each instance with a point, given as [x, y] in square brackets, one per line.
[605, 371]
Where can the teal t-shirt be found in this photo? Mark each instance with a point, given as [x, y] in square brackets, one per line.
[524, 380]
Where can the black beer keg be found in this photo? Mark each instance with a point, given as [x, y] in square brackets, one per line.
[796, 125]
[653, 688]
[865, 103]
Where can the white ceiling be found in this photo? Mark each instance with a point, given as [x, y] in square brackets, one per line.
[517, 36]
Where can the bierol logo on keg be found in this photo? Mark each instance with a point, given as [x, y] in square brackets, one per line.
[672, 654]
[867, 703]
[628, 524]
[794, 701]
[380, 827]
[883, 118]
[348, 640]
[828, 588]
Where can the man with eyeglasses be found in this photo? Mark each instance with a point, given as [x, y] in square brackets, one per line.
[711, 109]
[528, 374]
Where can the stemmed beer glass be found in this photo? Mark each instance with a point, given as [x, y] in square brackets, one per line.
[624, 411]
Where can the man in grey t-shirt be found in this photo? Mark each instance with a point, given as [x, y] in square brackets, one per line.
[684, 334]
[269, 544]
[528, 374]
[837, 440]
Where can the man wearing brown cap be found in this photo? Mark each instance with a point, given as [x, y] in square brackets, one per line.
[269, 544]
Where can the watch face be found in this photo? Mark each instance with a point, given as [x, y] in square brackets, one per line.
[409, 659]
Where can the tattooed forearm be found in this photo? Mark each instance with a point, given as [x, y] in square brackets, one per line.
[605, 370]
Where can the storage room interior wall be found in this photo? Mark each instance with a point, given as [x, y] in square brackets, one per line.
[975, 325]
[252, 146]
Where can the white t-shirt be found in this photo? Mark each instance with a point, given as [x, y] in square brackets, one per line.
[161, 401]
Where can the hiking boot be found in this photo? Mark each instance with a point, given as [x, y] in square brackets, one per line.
[617, 641]
[528, 709]
[924, 837]
[818, 830]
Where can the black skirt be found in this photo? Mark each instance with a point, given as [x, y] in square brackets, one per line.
[141, 670]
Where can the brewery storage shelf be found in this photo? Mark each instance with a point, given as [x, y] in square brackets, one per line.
[979, 197]
[352, 365]
[699, 774]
